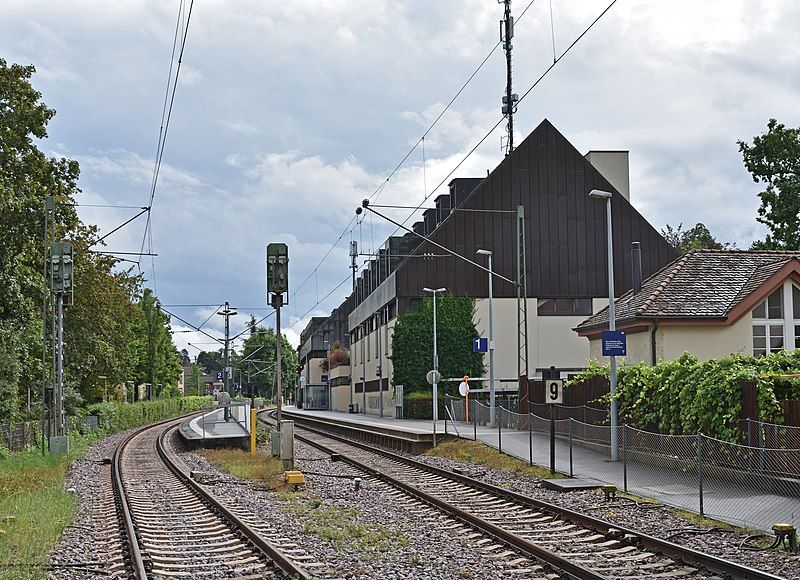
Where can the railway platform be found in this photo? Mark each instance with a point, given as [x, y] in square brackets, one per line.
[724, 499]
[222, 425]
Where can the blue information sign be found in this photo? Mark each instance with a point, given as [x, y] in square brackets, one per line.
[480, 345]
[613, 342]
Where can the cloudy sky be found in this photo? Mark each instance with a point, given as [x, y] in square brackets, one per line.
[288, 113]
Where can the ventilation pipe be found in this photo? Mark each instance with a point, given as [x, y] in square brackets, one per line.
[636, 266]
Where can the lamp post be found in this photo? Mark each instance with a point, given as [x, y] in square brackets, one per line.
[126, 392]
[435, 363]
[328, 358]
[488, 253]
[105, 387]
[612, 317]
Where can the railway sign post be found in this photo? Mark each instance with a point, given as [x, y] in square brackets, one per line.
[553, 394]
[277, 286]
[463, 389]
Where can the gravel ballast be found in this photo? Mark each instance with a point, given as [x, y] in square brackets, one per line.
[387, 541]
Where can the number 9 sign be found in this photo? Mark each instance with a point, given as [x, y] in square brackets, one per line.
[554, 391]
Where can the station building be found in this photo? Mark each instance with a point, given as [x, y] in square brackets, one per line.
[709, 303]
[565, 256]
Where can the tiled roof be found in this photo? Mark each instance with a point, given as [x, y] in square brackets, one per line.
[699, 284]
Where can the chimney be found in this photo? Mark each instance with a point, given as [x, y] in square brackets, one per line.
[613, 165]
[636, 266]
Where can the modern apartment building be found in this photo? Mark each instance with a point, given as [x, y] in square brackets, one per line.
[565, 255]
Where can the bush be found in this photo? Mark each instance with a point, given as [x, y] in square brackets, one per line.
[419, 405]
[113, 417]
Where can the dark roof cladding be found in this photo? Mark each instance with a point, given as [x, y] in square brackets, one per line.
[701, 284]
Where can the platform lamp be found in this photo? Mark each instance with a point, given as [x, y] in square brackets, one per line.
[612, 317]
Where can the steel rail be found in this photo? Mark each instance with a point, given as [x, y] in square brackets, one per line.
[537, 552]
[286, 565]
[137, 563]
[689, 555]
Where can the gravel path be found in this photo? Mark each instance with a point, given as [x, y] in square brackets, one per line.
[92, 544]
[660, 522]
[382, 538]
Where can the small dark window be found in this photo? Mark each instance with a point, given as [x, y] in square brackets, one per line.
[564, 307]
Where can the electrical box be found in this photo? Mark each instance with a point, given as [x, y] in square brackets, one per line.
[294, 477]
[61, 266]
[277, 268]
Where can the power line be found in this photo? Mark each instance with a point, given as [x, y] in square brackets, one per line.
[166, 116]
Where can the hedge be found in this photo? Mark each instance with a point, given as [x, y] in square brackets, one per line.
[419, 405]
[114, 417]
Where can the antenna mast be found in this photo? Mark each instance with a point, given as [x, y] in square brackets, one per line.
[509, 99]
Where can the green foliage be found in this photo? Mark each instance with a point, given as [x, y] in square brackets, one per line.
[419, 405]
[260, 346]
[412, 342]
[687, 396]
[774, 159]
[158, 361]
[695, 238]
[114, 417]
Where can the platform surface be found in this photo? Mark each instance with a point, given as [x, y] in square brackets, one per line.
[212, 425]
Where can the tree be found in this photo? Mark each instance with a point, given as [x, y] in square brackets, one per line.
[696, 238]
[412, 342]
[260, 346]
[774, 159]
[211, 362]
[158, 361]
[27, 175]
[194, 381]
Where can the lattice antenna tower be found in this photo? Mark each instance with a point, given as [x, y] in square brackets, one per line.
[509, 99]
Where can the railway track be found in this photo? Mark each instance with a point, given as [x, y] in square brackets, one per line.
[175, 528]
[578, 545]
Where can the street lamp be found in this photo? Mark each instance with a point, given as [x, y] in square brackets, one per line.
[491, 342]
[435, 363]
[105, 391]
[612, 317]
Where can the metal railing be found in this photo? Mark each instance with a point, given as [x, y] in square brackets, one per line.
[750, 485]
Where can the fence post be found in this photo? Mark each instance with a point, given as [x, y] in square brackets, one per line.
[499, 428]
[569, 426]
[474, 421]
[625, 458]
[530, 437]
[445, 413]
[700, 470]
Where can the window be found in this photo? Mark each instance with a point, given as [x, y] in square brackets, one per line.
[564, 306]
[768, 322]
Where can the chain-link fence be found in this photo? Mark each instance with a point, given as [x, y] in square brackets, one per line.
[749, 485]
[22, 436]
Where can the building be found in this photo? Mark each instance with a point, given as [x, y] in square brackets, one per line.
[324, 387]
[565, 253]
[710, 303]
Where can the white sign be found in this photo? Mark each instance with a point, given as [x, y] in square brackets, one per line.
[434, 376]
[554, 391]
[463, 388]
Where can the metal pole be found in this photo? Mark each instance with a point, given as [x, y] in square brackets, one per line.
[380, 360]
[474, 422]
[60, 364]
[552, 438]
[277, 301]
[500, 432]
[625, 458]
[491, 352]
[700, 469]
[569, 426]
[364, 369]
[530, 438]
[435, 370]
[612, 325]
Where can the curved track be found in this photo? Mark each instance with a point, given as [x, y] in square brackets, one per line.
[175, 528]
[577, 544]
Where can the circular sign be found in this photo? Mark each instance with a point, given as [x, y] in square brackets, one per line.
[434, 377]
[463, 388]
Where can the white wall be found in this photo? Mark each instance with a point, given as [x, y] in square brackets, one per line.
[551, 340]
[703, 341]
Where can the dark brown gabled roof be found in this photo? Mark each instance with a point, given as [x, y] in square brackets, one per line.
[701, 284]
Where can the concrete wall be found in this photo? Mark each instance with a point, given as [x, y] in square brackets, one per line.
[370, 355]
[313, 372]
[340, 398]
[703, 341]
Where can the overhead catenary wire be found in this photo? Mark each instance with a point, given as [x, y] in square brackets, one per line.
[499, 122]
[181, 30]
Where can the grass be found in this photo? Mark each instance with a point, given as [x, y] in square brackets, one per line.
[343, 527]
[480, 454]
[34, 509]
[261, 467]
